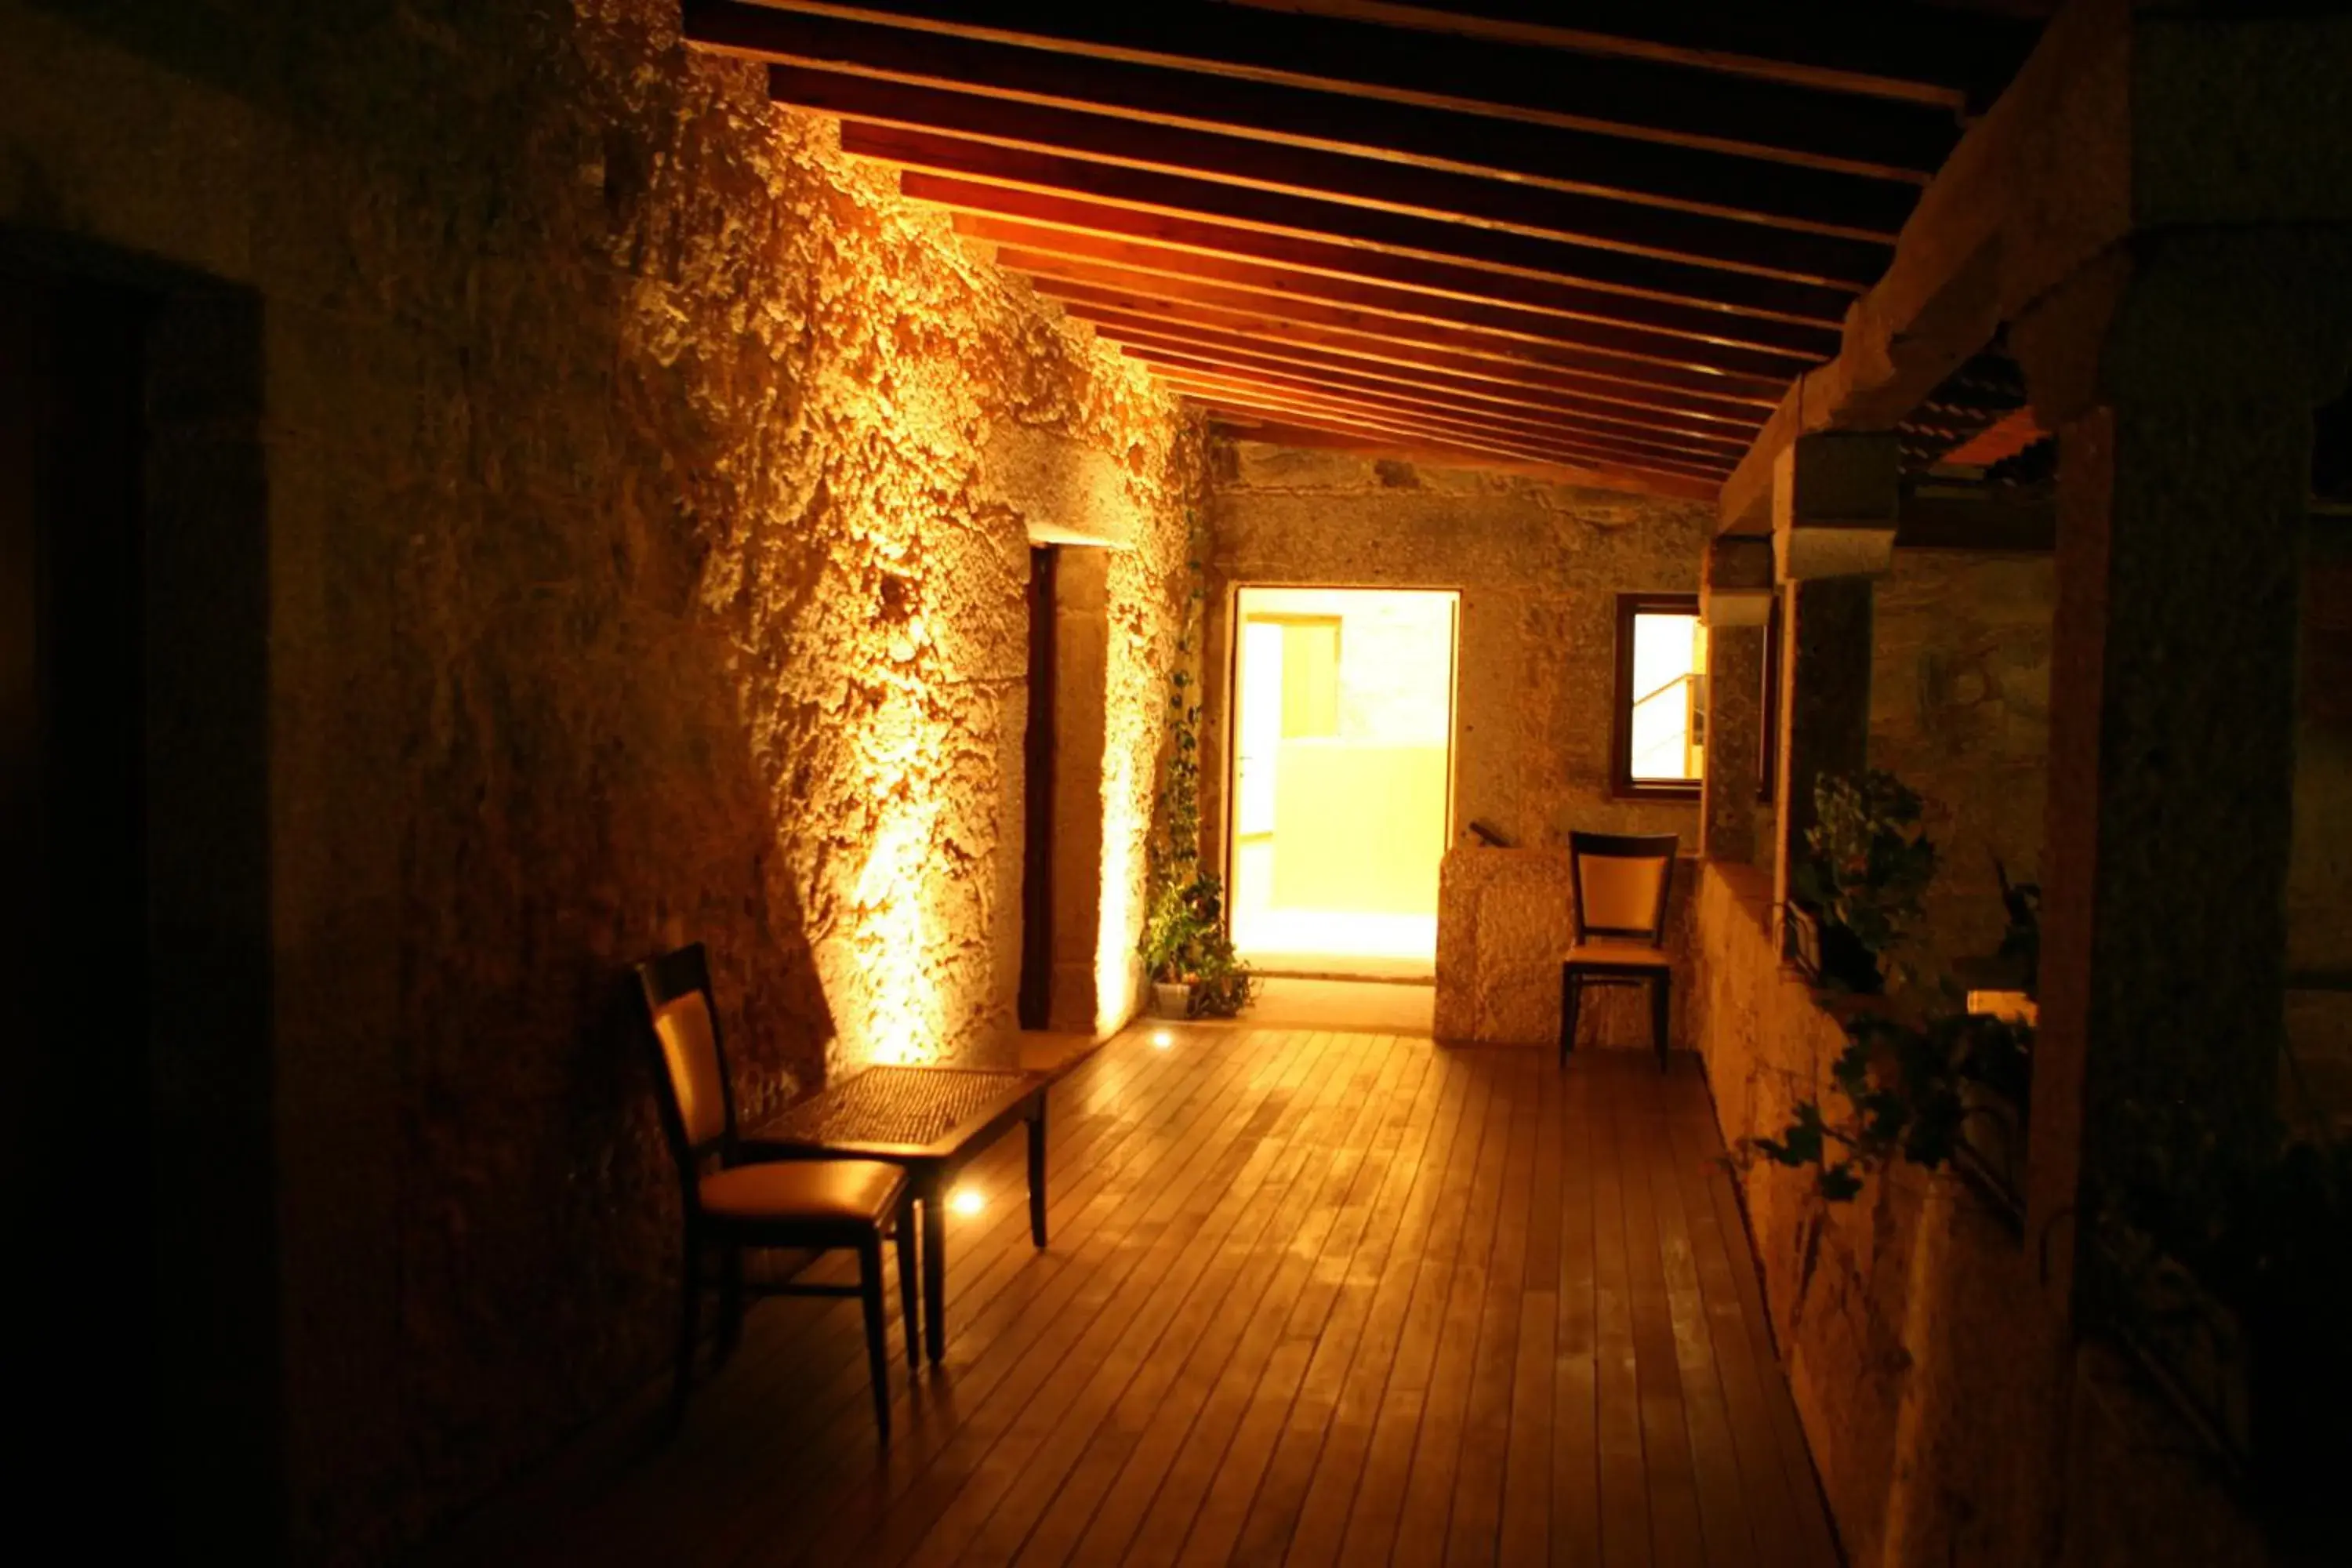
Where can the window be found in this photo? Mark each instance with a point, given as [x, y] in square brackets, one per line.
[1661, 667]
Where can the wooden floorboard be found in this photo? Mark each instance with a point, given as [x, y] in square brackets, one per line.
[1312, 1297]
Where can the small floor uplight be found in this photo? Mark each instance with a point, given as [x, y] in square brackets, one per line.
[1162, 1040]
[967, 1200]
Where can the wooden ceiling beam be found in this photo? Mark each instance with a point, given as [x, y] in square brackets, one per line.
[1367, 349]
[1434, 412]
[1546, 157]
[1237, 349]
[1579, 220]
[1375, 355]
[1270, 402]
[1759, 350]
[1710, 302]
[1912, 54]
[1644, 369]
[1619, 97]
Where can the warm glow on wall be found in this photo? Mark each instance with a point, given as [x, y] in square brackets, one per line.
[1116, 968]
[893, 941]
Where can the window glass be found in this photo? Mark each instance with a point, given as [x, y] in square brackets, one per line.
[1665, 683]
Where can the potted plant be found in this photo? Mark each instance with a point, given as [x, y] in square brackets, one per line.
[1868, 866]
[1919, 1070]
[1188, 952]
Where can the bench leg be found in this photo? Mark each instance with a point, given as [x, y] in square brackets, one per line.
[1037, 1174]
[935, 1272]
[909, 1314]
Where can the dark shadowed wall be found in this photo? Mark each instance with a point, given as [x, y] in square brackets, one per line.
[634, 572]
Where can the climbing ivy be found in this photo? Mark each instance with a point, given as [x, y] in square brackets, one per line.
[1185, 937]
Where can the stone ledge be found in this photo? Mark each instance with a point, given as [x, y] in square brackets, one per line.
[1504, 921]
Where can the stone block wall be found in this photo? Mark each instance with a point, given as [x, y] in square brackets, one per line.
[1960, 710]
[636, 572]
[1953, 1421]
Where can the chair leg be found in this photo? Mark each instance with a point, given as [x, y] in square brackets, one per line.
[1570, 990]
[690, 1301]
[909, 1286]
[730, 1301]
[1661, 991]
[877, 1342]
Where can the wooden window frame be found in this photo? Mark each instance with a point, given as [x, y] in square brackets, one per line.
[1621, 783]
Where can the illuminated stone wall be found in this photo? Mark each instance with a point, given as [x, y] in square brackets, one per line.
[636, 572]
[1539, 567]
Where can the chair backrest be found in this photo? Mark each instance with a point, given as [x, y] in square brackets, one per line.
[1619, 883]
[697, 1102]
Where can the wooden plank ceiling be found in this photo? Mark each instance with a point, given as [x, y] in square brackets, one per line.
[1594, 240]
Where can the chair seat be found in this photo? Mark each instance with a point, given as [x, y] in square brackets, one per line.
[805, 1189]
[1618, 955]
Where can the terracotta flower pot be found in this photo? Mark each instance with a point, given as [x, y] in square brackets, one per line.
[1171, 999]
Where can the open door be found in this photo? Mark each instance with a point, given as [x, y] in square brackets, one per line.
[1342, 775]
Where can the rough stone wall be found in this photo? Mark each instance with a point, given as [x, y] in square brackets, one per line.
[1504, 917]
[1951, 1420]
[634, 575]
[1960, 710]
[1538, 567]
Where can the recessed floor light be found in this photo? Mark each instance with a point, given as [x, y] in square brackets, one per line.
[1162, 1040]
[967, 1200]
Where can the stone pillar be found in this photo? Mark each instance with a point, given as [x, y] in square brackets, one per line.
[1081, 693]
[1835, 498]
[2181, 380]
[1735, 602]
[1825, 642]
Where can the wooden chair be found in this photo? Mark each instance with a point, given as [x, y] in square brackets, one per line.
[1618, 884]
[816, 1205]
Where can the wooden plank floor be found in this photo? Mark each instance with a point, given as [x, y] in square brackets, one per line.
[1312, 1298]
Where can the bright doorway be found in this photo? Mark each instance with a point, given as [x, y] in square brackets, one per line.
[1342, 777]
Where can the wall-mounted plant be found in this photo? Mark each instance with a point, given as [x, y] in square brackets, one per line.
[1915, 1064]
[1905, 1084]
[1185, 938]
[1867, 868]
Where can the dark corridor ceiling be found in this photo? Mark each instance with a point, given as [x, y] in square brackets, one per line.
[1598, 237]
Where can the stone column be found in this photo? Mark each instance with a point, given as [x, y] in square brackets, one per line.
[1835, 502]
[1081, 695]
[2181, 380]
[1735, 602]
